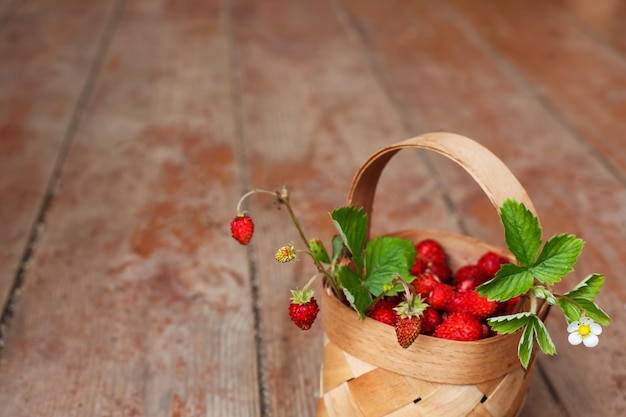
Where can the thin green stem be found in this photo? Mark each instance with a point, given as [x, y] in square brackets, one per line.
[533, 302]
[283, 198]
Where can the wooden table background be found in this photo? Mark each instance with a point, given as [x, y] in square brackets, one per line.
[129, 129]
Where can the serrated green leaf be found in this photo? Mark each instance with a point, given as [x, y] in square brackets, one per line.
[509, 324]
[588, 288]
[521, 231]
[525, 347]
[557, 258]
[357, 295]
[570, 310]
[385, 258]
[593, 311]
[351, 223]
[510, 281]
[543, 337]
[337, 244]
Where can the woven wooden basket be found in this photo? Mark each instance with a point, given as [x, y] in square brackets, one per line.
[365, 373]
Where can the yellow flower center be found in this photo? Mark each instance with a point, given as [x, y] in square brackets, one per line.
[584, 330]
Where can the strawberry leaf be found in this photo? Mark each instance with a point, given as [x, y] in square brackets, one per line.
[357, 295]
[557, 258]
[510, 281]
[570, 309]
[351, 223]
[521, 231]
[385, 258]
[543, 338]
[337, 244]
[525, 347]
[587, 288]
[509, 324]
[592, 311]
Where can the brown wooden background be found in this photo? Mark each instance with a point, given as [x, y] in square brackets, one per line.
[129, 129]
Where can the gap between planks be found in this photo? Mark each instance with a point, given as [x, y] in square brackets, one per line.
[68, 138]
[236, 93]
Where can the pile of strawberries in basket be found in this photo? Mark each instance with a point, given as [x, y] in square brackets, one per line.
[455, 310]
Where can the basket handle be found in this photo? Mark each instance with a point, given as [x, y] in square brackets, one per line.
[488, 171]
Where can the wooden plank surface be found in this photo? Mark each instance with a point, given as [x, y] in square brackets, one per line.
[130, 306]
[137, 302]
[46, 58]
[603, 20]
[591, 98]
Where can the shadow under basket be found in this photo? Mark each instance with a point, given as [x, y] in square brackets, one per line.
[365, 373]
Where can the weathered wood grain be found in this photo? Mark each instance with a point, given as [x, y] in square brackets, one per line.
[45, 62]
[453, 80]
[604, 19]
[580, 79]
[137, 300]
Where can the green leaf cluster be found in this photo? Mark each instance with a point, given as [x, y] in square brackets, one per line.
[523, 237]
[533, 328]
[375, 264]
[579, 301]
[539, 266]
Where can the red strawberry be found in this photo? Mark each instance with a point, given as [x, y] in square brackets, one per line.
[460, 326]
[441, 270]
[303, 308]
[471, 302]
[418, 267]
[407, 330]
[491, 262]
[241, 228]
[439, 296]
[408, 322]
[430, 320]
[507, 307]
[431, 250]
[424, 283]
[383, 311]
[468, 277]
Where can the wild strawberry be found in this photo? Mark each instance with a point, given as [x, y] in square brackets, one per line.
[383, 312]
[418, 267]
[507, 307]
[460, 326]
[242, 228]
[441, 270]
[408, 322]
[407, 330]
[430, 320]
[468, 277]
[431, 250]
[303, 308]
[491, 262]
[471, 302]
[424, 283]
[440, 296]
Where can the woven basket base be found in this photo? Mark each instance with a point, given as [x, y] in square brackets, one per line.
[352, 387]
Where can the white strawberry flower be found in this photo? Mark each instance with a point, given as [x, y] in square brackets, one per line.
[584, 330]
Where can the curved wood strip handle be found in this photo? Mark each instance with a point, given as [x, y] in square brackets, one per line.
[488, 171]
